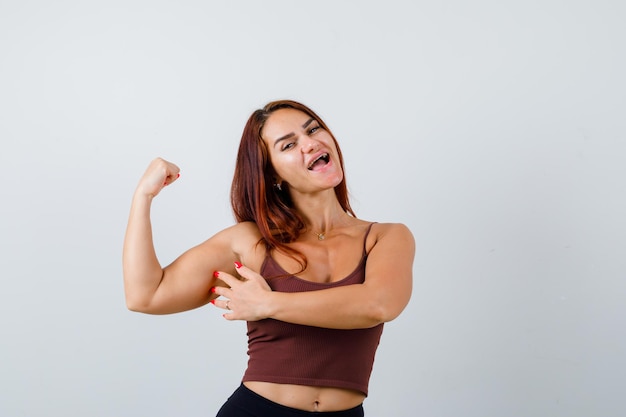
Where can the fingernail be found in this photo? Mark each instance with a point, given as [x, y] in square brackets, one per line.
[212, 301]
[213, 290]
[216, 274]
[238, 265]
[178, 175]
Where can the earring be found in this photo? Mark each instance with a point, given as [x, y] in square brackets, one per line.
[278, 186]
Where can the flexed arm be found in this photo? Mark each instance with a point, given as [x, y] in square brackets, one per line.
[381, 298]
[141, 268]
[183, 285]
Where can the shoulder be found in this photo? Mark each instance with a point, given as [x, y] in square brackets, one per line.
[240, 234]
[244, 240]
[384, 230]
[390, 236]
[246, 229]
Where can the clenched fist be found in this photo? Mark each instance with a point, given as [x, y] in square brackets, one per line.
[158, 174]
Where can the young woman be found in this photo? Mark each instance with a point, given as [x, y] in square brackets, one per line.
[314, 282]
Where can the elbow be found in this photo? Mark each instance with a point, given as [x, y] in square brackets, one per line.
[383, 314]
[133, 307]
[377, 310]
[383, 311]
[389, 316]
[387, 307]
[137, 305]
[376, 314]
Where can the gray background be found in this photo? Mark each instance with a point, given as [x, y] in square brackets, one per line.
[494, 129]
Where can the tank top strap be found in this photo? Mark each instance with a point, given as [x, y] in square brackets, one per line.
[367, 232]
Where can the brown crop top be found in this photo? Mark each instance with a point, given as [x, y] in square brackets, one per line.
[286, 353]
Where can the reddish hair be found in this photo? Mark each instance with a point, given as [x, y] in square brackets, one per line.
[254, 196]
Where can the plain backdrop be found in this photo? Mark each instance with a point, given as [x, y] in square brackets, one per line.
[495, 130]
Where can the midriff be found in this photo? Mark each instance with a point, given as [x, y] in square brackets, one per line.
[307, 398]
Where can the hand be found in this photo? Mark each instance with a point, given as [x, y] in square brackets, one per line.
[158, 174]
[247, 299]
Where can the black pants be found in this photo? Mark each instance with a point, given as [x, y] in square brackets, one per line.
[246, 403]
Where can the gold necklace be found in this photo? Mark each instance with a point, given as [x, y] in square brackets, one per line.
[320, 235]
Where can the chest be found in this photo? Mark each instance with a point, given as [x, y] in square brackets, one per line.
[327, 261]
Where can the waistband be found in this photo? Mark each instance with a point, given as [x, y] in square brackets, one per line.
[247, 403]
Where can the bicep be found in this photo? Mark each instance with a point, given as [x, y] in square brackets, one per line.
[187, 281]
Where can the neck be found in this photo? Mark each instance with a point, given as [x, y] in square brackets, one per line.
[322, 213]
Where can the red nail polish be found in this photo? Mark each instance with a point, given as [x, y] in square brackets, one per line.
[178, 175]
[216, 274]
[212, 301]
[238, 265]
[213, 290]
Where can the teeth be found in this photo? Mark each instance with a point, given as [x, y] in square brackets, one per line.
[323, 156]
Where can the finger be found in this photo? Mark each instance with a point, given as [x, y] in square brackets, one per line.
[171, 172]
[245, 272]
[228, 279]
[222, 291]
[222, 303]
[158, 174]
[171, 178]
[230, 316]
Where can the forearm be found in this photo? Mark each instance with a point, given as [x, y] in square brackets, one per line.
[141, 268]
[347, 307]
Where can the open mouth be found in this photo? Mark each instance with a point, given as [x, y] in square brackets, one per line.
[319, 162]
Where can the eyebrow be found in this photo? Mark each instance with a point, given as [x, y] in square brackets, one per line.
[290, 135]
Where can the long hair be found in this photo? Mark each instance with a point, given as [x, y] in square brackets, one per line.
[254, 196]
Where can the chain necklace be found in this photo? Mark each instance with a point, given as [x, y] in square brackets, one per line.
[320, 235]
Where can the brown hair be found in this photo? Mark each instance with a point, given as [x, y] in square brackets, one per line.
[254, 196]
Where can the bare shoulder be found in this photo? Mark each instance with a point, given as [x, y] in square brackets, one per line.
[391, 228]
[391, 231]
[391, 236]
[238, 236]
[244, 230]
[242, 240]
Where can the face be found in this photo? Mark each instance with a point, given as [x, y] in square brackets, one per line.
[302, 153]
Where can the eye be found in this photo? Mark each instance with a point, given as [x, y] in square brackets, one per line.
[313, 129]
[288, 146]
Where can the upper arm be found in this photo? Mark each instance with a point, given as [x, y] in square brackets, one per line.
[389, 271]
[187, 281]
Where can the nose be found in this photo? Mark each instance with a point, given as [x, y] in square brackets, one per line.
[310, 146]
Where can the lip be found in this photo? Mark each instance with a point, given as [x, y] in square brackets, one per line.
[316, 156]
